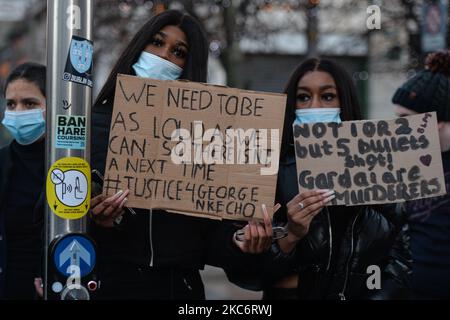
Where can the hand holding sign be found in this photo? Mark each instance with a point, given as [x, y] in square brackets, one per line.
[304, 207]
[104, 211]
[301, 210]
[257, 237]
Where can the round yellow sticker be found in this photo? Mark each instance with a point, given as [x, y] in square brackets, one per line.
[69, 187]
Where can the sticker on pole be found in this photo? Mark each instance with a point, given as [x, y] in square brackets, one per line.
[79, 61]
[68, 187]
[74, 250]
[70, 132]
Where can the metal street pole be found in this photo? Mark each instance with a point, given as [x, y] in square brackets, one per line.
[70, 254]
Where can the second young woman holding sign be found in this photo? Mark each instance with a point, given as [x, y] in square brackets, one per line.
[330, 248]
[155, 254]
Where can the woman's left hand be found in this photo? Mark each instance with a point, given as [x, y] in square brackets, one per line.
[257, 236]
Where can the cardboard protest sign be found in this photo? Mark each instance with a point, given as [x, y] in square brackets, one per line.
[194, 148]
[371, 162]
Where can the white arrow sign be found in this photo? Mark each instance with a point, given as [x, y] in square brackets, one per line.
[75, 251]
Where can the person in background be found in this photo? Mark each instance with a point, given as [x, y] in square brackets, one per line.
[22, 178]
[429, 219]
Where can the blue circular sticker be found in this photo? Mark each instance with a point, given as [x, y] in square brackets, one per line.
[74, 252]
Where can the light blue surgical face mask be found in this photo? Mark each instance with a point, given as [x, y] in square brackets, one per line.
[151, 66]
[312, 115]
[25, 126]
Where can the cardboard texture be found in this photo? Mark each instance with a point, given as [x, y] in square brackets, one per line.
[373, 161]
[147, 111]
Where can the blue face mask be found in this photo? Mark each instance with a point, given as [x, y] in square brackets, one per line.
[312, 115]
[154, 67]
[25, 126]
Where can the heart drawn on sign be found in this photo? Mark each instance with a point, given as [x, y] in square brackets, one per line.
[426, 160]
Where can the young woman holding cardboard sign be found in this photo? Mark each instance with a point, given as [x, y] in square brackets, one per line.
[154, 254]
[333, 250]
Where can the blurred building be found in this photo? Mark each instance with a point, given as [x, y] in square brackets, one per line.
[287, 47]
[22, 38]
[275, 37]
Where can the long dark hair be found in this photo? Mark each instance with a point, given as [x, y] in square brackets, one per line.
[195, 68]
[32, 72]
[350, 109]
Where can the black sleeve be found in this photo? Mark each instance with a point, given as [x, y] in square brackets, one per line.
[264, 269]
[249, 271]
[261, 270]
[223, 253]
[395, 278]
[219, 247]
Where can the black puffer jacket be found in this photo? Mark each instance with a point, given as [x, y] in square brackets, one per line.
[374, 236]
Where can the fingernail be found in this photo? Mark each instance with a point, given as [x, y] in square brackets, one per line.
[263, 206]
[324, 190]
[120, 192]
[330, 198]
[326, 194]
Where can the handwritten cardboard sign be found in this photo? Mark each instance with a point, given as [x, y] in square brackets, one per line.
[371, 162]
[239, 130]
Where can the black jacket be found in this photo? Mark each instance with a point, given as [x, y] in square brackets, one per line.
[37, 214]
[375, 235]
[5, 167]
[155, 237]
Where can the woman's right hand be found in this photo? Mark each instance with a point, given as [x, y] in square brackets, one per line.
[104, 211]
[257, 236]
[300, 212]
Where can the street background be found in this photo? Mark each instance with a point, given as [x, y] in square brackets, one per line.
[255, 44]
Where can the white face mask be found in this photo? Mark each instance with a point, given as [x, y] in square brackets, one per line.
[25, 126]
[312, 115]
[151, 66]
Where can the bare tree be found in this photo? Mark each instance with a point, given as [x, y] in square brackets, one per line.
[229, 22]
